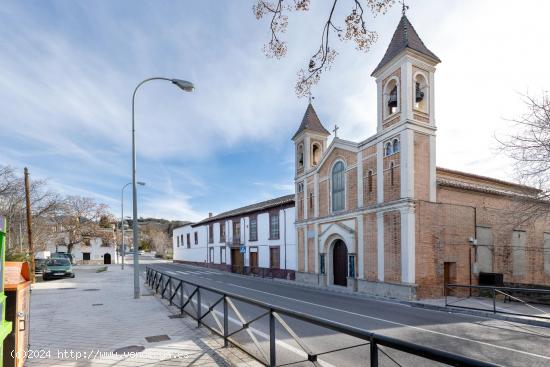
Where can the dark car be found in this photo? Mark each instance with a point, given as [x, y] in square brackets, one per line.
[57, 268]
[62, 255]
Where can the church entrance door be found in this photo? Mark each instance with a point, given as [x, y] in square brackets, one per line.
[340, 263]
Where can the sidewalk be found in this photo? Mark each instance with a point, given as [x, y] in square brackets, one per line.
[83, 321]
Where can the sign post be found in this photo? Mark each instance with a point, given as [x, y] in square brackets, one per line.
[5, 326]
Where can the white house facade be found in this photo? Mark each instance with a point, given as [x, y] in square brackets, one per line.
[258, 239]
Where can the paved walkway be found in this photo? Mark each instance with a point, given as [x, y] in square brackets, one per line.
[82, 321]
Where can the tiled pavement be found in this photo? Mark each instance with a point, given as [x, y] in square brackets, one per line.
[95, 314]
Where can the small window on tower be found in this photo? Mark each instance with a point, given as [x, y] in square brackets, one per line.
[391, 100]
[315, 154]
[420, 93]
[388, 149]
[300, 156]
[395, 145]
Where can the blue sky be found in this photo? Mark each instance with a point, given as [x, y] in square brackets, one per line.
[68, 68]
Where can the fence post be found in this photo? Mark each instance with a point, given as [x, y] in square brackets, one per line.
[494, 301]
[170, 292]
[225, 322]
[181, 297]
[199, 307]
[373, 353]
[272, 352]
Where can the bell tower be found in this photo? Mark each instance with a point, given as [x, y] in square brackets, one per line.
[405, 80]
[310, 141]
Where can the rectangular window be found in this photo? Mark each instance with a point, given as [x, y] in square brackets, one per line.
[181, 239]
[322, 263]
[351, 266]
[222, 231]
[85, 256]
[275, 257]
[178, 239]
[211, 255]
[274, 226]
[188, 240]
[222, 255]
[196, 238]
[237, 232]
[253, 229]
[211, 233]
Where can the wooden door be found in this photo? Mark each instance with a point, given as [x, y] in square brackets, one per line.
[254, 262]
[340, 263]
[236, 260]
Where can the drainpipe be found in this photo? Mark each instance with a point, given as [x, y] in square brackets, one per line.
[284, 216]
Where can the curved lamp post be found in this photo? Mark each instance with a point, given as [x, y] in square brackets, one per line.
[123, 247]
[187, 87]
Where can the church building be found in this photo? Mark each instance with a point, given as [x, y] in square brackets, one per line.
[379, 217]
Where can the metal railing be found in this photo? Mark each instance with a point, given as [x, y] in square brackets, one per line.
[464, 296]
[191, 299]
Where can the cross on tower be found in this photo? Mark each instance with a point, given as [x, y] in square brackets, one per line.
[311, 98]
[404, 8]
[335, 130]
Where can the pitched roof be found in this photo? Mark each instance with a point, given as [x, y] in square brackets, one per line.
[404, 37]
[311, 122]
[264, 205]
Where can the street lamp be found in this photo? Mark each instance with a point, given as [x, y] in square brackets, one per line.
[123, 248]
[187, 87]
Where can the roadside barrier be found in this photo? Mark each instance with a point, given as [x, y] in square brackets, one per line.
[214, 308]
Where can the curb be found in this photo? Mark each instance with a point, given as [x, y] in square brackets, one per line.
[478, 313]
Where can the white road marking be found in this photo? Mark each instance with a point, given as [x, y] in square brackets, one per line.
[397, 323]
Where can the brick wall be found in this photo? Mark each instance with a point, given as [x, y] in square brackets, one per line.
[369, 164]
[371, 253]
[351, 189]
[442, 234]
[310, 251]
[323, 198]
[301, 249]
[421, 166]
[503, 215]
[392, 246]
[392, 192]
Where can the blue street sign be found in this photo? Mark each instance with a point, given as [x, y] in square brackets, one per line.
[243, 249]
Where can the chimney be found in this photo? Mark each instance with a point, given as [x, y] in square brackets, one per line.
[209, 215]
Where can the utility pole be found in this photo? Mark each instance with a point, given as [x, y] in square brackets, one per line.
[29, 221]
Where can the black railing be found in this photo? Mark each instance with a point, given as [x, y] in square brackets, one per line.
[186, 296]
[462, 296]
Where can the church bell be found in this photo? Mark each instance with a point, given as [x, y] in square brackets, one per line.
[419, 93]
[392, 102]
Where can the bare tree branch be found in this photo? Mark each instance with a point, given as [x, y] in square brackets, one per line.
[355, 29]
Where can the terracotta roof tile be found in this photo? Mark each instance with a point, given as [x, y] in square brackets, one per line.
[404, 37]
[311, 122]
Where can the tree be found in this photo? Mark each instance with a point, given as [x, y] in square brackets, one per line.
[78, 222]
[44, 203]
[529, 148]
[354, 29]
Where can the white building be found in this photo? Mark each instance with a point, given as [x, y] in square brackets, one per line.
[93, 253]
[256, 239]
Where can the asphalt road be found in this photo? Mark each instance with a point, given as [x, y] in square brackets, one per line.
[500, 342]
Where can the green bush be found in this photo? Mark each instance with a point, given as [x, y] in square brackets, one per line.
[16, 256]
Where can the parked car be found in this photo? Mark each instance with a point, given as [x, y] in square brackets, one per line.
[141, 252]
[57, 268]
[62, 255]
[39, 265]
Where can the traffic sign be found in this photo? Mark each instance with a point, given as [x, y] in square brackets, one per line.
[243, 249]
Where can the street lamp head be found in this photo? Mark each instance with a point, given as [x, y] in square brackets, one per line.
[184, 85]
[140, 183]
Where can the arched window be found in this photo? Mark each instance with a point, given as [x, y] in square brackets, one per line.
[388, 150]
[300, 156]
[420, 95]
[391, 93]
[369, 181]
[391, 174]
[395, 145]
[315, 154]
[338, 187]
